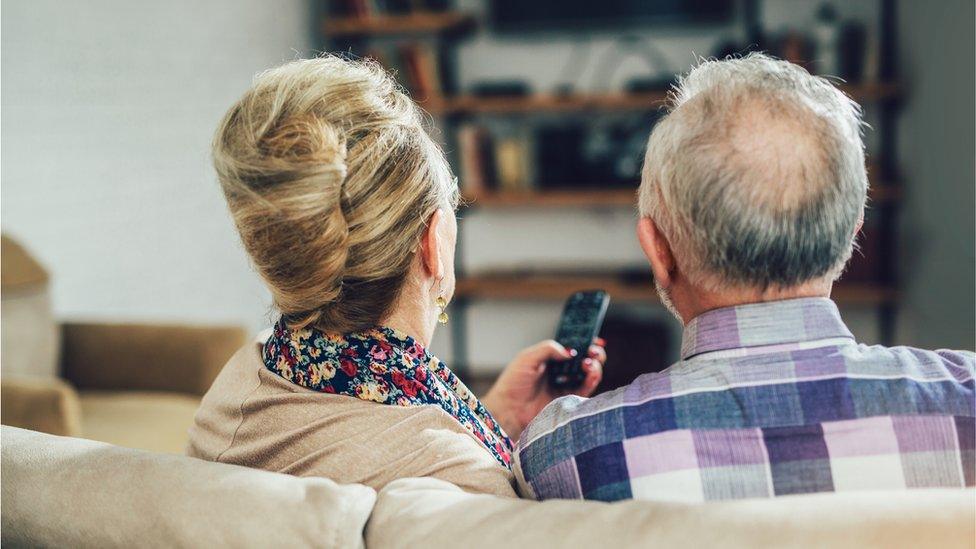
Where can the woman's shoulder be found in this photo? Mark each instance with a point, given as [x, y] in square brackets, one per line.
[255, 418]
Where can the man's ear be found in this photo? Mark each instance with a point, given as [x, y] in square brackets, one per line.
[657, 249]
[430, 246]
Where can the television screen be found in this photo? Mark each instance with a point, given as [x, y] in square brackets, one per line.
[603, 14]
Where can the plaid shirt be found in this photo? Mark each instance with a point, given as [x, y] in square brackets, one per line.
[768, 399]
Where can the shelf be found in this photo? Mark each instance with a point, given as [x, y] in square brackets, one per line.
[547, 103]
[601, 101]
[606, 198]
[514, 287]
[554, 198]
[413, 23]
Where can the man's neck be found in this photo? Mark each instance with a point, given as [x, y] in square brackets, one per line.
[691, 302]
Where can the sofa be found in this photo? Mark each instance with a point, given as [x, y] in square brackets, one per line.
[132, 384]
[70, 492]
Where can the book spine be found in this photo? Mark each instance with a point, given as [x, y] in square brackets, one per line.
[473, 181]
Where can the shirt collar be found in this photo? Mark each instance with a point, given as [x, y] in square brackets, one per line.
[759, 324]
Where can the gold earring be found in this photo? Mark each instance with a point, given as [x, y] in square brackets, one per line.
[442, 303]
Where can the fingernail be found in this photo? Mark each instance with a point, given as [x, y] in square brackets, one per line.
[600, 341]
[572, 352]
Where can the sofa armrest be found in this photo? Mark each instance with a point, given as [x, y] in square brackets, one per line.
[46, 405]
[146, 357]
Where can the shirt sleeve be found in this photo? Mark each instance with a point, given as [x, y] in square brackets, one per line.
[522, 486]
[531, 468]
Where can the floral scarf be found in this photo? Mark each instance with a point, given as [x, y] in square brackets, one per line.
[385, 366]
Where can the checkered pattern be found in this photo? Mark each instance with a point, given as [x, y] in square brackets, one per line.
[768, 400]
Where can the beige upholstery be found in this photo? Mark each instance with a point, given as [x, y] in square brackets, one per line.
[30, 335]
[157, 422]
[146, 357]
[47, 405]
[432, 513]
[140, 384]
[73, 493]
[66, 492]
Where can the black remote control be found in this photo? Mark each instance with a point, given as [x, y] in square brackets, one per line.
[580, 324]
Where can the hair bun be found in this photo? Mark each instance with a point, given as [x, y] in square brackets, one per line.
[330, 178]
[301, 139]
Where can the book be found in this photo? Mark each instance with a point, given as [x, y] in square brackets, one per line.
[430, 67]
[473, 180]
[512, 163]
[412, 71]
[421, 70]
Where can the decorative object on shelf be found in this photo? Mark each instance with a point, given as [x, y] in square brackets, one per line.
[505, 88]
[826, 39]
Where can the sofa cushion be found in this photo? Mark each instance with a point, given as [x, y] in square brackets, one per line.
[433, 513]
[69, 492]
[154, 421]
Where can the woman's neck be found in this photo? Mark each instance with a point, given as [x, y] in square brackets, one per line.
[413, 322]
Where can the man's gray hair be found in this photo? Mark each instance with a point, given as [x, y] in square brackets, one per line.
[756, 176]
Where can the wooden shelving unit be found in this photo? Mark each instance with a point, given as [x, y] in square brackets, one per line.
[446, 27]
[546, 103]
[547, 287]
[594, 197]
[413, 23]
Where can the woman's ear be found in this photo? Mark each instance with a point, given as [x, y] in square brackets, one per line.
[430, 246]
[657, 249]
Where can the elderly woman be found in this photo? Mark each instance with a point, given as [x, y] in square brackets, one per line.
[346, 208]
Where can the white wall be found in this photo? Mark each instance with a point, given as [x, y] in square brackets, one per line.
[108, 108]
[938, 145]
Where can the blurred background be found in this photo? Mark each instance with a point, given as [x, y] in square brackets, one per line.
[112, 209]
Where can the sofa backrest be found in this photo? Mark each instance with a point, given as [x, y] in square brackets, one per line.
[432, 513]
[68, 492]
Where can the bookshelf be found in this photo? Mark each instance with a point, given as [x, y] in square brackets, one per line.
[456, 110]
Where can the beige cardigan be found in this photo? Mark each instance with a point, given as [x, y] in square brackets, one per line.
[253, 417]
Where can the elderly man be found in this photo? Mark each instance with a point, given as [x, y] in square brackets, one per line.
[753, 191]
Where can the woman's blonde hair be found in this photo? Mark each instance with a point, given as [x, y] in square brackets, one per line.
[330, 176]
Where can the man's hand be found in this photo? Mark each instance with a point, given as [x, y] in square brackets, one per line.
[522, 390]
